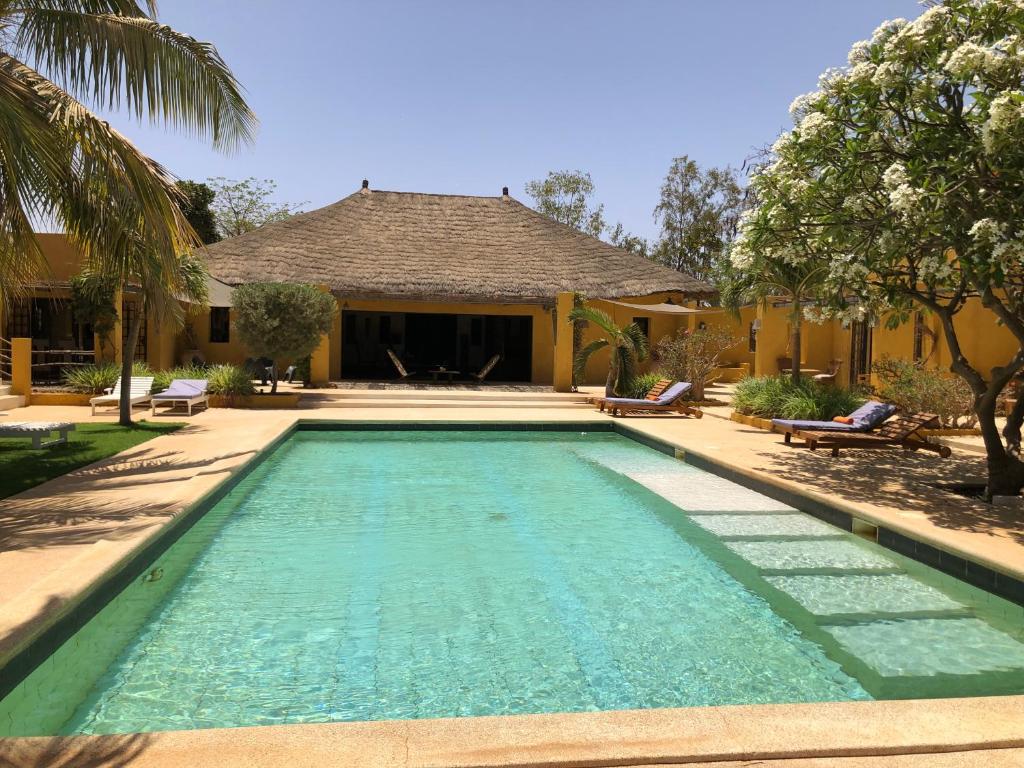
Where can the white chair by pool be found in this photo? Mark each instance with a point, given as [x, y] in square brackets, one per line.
[187, 392]
[37, 430]
[138, 392]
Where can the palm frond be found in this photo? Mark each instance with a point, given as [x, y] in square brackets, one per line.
[591, 315]
[637, 340]
[579, 363]
[123, 58]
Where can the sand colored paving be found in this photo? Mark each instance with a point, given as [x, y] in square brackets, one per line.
[58, 539]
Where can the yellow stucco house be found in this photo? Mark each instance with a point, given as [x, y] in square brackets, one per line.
[440, 280]
[452, 280]
[855, 346]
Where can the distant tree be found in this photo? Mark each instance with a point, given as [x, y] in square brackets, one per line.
[196, 206]
[627, 241]
[565, 196]
[282, 320]
[242, 206]
[698, 213]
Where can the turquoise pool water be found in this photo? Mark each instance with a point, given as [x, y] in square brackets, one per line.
[374, 575]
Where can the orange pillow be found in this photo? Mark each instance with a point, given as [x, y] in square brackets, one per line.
[843, 420]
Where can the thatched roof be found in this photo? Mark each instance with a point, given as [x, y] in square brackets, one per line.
[401, 245]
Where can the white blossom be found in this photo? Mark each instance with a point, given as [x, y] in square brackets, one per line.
[801, 104]
[905, 200]
[859, 53]
[862, 73]
[888, 74]
[1009, 254]
[782, 143]
[970, 60]
[895, 176]
[986, 230]
[813, 125]
[1004, 115]
[887, 28]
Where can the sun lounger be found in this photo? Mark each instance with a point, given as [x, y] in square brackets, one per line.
[138, 392]
[488, 367]
[652, 394]
[398, 365]
[37, 430]
[901, 431]
[867, 417]
[670, 399]
[187, 392]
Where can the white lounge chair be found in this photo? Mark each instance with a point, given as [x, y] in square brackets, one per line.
[138, 392]
[37, 430]
[187, 392]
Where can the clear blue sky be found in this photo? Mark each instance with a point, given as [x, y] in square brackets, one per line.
[467, 96]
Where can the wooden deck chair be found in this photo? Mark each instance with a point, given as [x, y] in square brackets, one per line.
[138, 392]
[900, 431]
[670, 399]
[404, 374]
[488, 367]
[652, 394]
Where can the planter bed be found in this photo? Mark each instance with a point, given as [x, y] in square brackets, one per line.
[280, 400]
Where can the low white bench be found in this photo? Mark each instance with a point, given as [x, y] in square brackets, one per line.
[37, 430]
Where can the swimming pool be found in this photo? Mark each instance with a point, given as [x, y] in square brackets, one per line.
[378, 575]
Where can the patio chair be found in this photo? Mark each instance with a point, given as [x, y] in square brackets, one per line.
[652, 394]
[670, 399]
[785, 364]
[37, 430]
[404, 374]
[864, 419]
[902, 431]
[138, 392]
[187, 392]
[829, 377]
[488, 367]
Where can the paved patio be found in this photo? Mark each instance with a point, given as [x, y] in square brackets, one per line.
[56, 540]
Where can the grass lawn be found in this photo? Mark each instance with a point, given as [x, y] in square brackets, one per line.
[23, 467]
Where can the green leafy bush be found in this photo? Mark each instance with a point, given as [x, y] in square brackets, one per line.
[228, 380]
[778, 397]
[912, 388]
[641, 385]
[93, 379]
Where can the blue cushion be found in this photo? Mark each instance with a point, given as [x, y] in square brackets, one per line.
[831, 426]
[871, 414]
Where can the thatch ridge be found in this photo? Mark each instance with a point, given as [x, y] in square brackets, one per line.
[419, 246]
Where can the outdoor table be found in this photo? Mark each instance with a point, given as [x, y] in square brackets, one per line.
[435, 372]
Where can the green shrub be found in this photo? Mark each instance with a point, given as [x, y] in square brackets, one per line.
[641, 385]
[93, 379]
[924, 390]
[228, 380]
[777, 397]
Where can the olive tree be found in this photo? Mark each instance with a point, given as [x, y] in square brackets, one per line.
[282, 320]
[904, 174]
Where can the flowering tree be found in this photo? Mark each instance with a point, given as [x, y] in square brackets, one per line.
[905, 176]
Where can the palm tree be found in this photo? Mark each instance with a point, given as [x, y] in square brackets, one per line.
[767, 279]
[61, 163]
[628, 347]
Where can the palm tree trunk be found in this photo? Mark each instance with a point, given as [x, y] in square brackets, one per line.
[609, 383]
[127, 360]
[796, 341]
